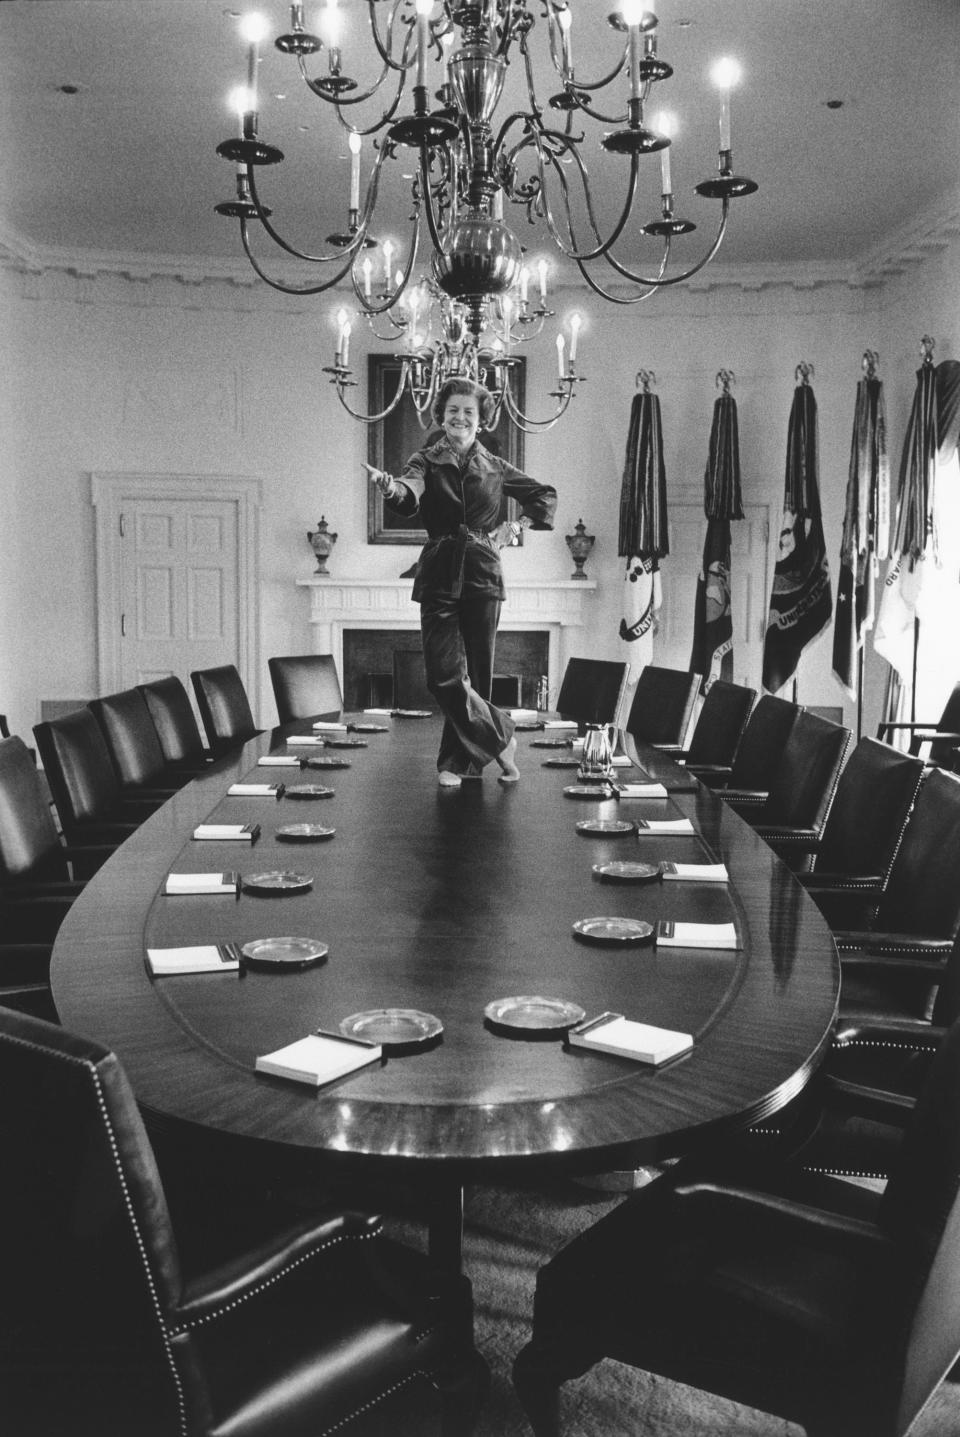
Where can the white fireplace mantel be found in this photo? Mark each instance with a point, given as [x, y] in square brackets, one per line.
[338, 604]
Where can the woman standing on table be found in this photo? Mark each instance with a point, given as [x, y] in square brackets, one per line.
[455, 487]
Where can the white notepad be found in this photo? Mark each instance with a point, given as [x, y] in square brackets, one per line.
[299, 739]
[254, 790]
[559, 723]
[322, 726]
[664, 825]
[642, 790]
[318, 1058]
[200, 883]
[523, 715]
[613, 1033]
[278, 760]
[696, 935]
[620, 760]
[206, 958]
[242, 832]
[379, 711]
[697, 872]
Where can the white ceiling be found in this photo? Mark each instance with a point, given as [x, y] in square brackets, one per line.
[128, 163]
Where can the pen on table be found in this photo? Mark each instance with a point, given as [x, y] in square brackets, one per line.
[596, 1022]
[343, 1038]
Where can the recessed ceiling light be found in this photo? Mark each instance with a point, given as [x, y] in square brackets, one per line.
[69, 89]
[834, 104]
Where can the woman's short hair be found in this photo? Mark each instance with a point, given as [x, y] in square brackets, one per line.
[461, 385]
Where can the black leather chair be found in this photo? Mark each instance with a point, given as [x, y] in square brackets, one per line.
[758, 753]
[942, 736]
[134, 746]
[591, 690]
[84, 783]
[895, 947]
[840, 1315]
[306, 686]
[858, 843]
[320, 1327]
[181, 741]
[802, 790]
[662, 706]
[224, 708]
[719, 728]
[409, 681]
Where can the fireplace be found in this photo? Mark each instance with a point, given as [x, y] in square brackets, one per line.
[361, 621]
[367, 672]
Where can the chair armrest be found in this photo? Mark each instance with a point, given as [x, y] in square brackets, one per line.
[710, 772]
[826, 883]
[877, 1105]
[673, 749]
[907, 1034]
[219, 1291]
[792, 840]
[33, 919]
[745, 799]
[85, 861]
[737, 1209]
[882, 945]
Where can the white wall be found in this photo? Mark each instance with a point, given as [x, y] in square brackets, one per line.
[159, 375]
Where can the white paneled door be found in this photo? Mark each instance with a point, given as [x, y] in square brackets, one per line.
[176, 576]
[750, 593]
[178, 587]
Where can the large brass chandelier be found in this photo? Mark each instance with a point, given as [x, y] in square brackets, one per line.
[479, 301]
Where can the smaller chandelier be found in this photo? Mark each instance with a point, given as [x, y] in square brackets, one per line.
[473, 309]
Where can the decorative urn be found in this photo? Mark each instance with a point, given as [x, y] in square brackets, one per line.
[580, 544]
[322, 542]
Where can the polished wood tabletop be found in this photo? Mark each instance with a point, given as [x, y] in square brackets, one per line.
[443, 900]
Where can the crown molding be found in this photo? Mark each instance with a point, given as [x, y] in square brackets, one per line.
[932, 230]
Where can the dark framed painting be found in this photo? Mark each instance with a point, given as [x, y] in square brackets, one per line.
[394, 439]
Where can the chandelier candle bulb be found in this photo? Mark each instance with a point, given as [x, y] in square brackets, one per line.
[387, 260]
[542, 269]
[565, 21]
[575, 323]
[726, 73]
[367, 268]
[561, 346]
[344, 345]
[524, 285]
[355, 143]
[665, 123]
[253, 28]
[632, 11]
[423, 38]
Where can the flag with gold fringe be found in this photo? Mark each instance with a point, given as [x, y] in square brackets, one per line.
[712, 652]
[800, 602]
[643, 540]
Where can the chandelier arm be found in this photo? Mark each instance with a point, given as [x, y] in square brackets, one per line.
[524, 422]
[350, 251]
[663, 281]
[373, 418]
[614, 298]
[597, 114]
[386, 52]
[389, 300]
[278, 284]
[572, 86]
[427, 198]
[603, 247]
[316, 88]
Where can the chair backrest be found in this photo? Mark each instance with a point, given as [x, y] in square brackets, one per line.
[91, 1264]
[79, 769]
[224, 706]
[172, 713]
[802, 789]
[591, 690]
[305, 685]
[30, 848]
[943, 752]
[875, 793]
[922, 895]
[409, 681]
[505, 691]
[130, 736]
[662, 705]
[720, 724]
[920, 1208]
[764, 737]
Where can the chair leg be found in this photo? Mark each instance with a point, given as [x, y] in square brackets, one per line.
[537, 1386]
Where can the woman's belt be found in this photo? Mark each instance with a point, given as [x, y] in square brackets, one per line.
[461, 536]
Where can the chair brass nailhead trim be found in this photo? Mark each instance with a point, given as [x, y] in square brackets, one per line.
[141, 1247]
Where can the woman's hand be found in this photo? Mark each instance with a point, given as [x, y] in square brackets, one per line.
[384, 482]
[505, 534]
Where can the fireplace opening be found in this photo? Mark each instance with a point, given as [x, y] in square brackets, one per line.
[367, 676]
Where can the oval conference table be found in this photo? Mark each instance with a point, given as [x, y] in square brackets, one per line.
[443, 901]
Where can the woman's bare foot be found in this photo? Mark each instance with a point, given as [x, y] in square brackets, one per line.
[446, 779]
[506, 760]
